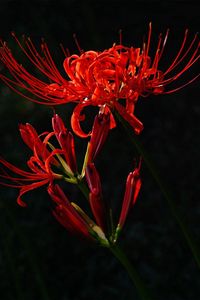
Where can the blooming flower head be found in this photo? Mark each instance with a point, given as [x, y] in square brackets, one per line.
[100, 227]
[99, 78]
[43, 164]
[49, 163]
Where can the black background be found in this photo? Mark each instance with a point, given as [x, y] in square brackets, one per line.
[36, 253]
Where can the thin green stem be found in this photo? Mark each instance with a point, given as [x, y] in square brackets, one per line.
[135, 277]
[142, 290]
[83, 188]
[165, 191]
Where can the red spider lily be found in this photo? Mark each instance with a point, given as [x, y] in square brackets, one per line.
[43, 160]
[46, 157]
[99, 133]
[99, 78]
[40, 165]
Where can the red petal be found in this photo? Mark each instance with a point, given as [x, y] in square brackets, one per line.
[133, 185]
[58, 124]
[99, 134]
[92, 177]
[65, 212]
[67, 219]
[98, 209]
[130, 118]
[127, 199]
[28, 188]
[95, 196]
[112, 119]
[28, 134]
[77, 118]
[66, 141]
[14, 169]
[137, 189]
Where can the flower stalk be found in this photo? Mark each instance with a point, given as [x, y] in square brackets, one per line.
[142, 290]
[113, 246]
[112, 80]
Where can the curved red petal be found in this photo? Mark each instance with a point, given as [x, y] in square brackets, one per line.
[77, 118]
[112, 119]
[28, 188]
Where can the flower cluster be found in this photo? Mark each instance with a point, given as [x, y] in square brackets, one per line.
[101, 229]
[111, 80]
[49, 164]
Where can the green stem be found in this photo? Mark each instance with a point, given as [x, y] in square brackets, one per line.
[83, 188]
[135, 277]
[165, 191]
[119, 254]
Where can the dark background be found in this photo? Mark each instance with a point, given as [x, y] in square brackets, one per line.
[38, 258]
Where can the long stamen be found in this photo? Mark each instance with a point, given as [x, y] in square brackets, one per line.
[179, 53]
[77, 43]
[149, 39]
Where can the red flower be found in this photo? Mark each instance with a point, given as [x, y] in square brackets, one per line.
[46, 158]
[99, 78]
[133, 185]
[40, 164]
